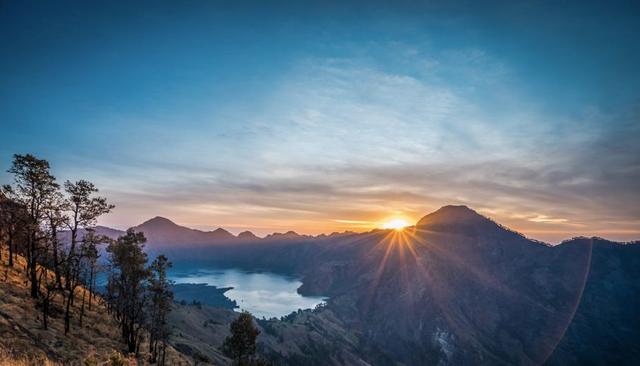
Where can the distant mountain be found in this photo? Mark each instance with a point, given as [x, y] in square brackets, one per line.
[107, 231]
[289, 235]
[164, 235]
[161, 232]
[247, 235]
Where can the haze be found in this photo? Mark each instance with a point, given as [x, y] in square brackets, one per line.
[322, 117]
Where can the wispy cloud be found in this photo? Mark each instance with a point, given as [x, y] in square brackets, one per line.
[346, 138]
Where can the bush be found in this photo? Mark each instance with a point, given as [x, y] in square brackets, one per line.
[90, 360]
[117, 359]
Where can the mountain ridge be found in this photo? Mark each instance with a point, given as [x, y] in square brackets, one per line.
[460, 218]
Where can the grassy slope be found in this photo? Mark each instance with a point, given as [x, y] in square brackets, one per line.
[305, 338]
[24, 341]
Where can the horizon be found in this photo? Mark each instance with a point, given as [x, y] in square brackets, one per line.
[407, 225]
[327, 116]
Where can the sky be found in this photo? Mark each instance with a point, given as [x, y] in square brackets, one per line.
[331, 116]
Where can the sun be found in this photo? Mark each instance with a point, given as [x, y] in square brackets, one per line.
[396, 224]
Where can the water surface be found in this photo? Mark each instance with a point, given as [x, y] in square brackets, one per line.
[263, 294]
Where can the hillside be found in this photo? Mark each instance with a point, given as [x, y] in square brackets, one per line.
[23, 341]
[458, 288]
[303, 338]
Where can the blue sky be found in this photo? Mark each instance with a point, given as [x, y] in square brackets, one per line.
[323, 116]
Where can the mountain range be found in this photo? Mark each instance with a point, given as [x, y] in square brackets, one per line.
[162, 232]
[456, 288]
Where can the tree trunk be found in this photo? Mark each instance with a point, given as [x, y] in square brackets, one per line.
[91, 284]
[34, 280]
[125, 332]
[56, 261]
[82, 306]
[67, 314]
[70, 257]
[45, 311]
[10, 249]
[33, 267]
[131, 345]
[164, 352]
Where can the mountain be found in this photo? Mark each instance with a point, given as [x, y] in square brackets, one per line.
[455, 289]
[453, 215]
[107, 231]
[460, 289]
[289, 235]
[161, 232]
[247, 236]
[461, 220]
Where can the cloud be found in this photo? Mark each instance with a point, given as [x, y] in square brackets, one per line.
[349, 138]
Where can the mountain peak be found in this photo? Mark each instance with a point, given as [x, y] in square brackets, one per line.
[221, 233]
[288, 235]
[247, 235]
[158, 221]
[452, 214]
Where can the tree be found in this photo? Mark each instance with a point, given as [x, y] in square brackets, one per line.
[127, 284]
[89, 255]
[33, 185]
[160, 299]
[55, 218]
[47, 295]
[84, 212]
[240, 346]
[13, 218]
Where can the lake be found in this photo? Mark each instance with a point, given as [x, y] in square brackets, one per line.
[263, 294]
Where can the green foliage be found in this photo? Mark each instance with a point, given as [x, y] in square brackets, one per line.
[241, 344]
[160, 300]
[33, 184]
[126, 286]
[85, 207]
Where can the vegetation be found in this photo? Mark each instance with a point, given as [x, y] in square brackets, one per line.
[61, 275]
[161, 298]
[240, 346]
[24, 340]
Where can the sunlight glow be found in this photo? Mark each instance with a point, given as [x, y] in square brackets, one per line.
[396, 224]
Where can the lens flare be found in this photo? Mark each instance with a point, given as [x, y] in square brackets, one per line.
[396, 224]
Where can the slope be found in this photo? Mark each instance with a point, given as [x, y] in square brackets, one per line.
[24, 341]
